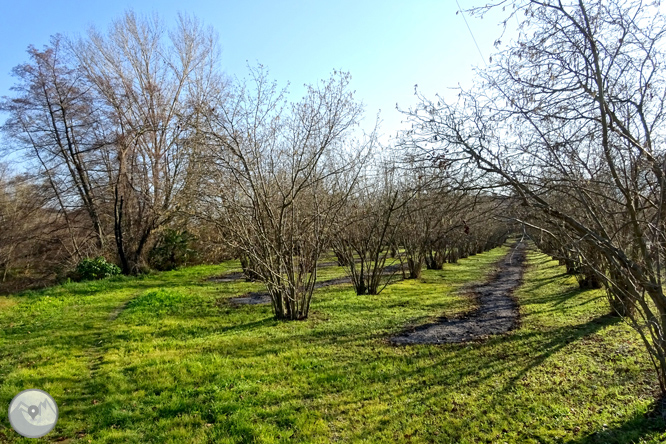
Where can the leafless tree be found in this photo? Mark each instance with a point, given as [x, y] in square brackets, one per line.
[54, 122]
[18, 208]
[152, 85]
[571, 118]
[367, 230]
[37, 243]
[277, 175]
[109, 120]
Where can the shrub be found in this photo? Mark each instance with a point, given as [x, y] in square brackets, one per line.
[172, 250]
[98, 268]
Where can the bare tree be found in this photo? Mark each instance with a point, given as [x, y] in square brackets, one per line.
[571, 118]
[18, 209]
[110, 119]
[366, 233]
[37, 243]
[54, 122]
[152, 84]
[277, 176]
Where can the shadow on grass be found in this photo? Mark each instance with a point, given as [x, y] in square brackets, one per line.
[542, 261]
[635, 430]
[177, 331]
[549, 279]
[558, 298]
[557, 340]
[235, 369]
[477, 364]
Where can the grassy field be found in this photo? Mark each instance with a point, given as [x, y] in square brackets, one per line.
[164, 358]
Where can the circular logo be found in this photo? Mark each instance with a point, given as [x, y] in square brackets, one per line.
[33, 413]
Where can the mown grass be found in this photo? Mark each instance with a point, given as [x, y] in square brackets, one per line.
[164, 359]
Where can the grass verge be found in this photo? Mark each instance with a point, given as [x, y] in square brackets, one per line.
[159, 359]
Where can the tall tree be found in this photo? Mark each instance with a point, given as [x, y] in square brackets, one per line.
[53, 120]
[152, 84]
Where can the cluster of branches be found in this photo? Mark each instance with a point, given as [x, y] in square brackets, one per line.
[138, 143]
[107, 121]
[274, 176]
[407, 214]
[34, 236]
[569, 121]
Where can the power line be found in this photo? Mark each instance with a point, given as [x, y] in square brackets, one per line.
[471, 33]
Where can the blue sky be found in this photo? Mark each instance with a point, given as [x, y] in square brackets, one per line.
[388, 46]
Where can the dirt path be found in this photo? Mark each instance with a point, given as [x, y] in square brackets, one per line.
[262, 297]
[497, 312]
[229, 277]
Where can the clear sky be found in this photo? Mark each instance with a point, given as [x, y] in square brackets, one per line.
[388, 46]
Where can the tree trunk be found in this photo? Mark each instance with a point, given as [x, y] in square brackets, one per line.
[415, 267]
[619, 296]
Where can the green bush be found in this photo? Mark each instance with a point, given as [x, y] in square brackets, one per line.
[172, 250]
[98, 268]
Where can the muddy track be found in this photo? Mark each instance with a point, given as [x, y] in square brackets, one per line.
[497, 312]
[262, 297]
[229, 277]
[239, 275]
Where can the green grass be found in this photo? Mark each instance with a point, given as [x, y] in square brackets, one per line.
[165, 359]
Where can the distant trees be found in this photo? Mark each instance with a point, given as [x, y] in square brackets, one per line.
[143, 151]
[20, 203]
[571, 118]
[405, 215]
[38, 241]
[444, 225]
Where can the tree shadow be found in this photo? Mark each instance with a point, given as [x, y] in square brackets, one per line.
[457, 364]
[634, 430]
[558, 339]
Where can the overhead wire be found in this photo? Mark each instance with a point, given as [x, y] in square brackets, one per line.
[471, 33]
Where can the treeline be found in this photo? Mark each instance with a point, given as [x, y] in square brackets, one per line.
[570, 118]
[106, 126]
[133, 146]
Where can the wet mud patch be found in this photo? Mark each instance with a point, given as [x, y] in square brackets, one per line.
[497, 311]
[262, 297]
[229, 277]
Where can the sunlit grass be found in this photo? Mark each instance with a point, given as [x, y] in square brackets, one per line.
[165, 359]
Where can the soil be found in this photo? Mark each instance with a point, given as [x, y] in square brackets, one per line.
[496, 314]
[229, 277]
[262, 297]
